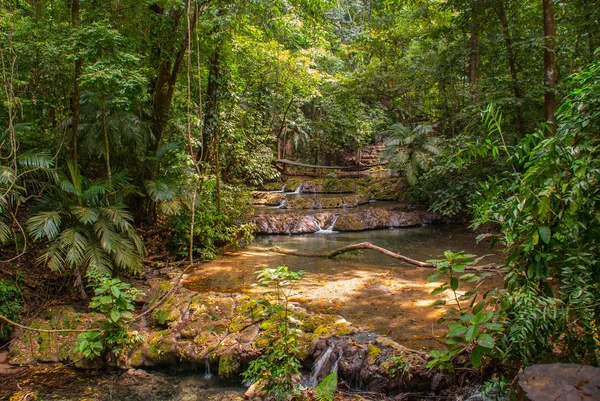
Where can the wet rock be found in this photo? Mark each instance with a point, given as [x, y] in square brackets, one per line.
[363, 361]
[296, 223]
[559, 381]
[267, 198]
[385, 189]
[329, 185]
[285, 224]
[273, 186]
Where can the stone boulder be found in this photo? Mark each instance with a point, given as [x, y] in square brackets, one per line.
[329, 185]
[559, 381]
[267, 198]
[285, 224]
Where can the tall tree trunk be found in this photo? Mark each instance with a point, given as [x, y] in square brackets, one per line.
[512, 65]
[166, 78]
[211, 116]
[76, 89]
[549, 66]
[106, 142]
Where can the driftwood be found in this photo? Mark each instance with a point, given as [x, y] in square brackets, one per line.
[363, 245]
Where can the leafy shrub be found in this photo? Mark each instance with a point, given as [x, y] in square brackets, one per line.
[278, 371]
[471, 327]
[10, 307]
[114, 299]
[547, 208]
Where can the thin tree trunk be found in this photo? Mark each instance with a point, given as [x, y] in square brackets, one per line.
[218, 172]
[549, 66]
[76, 89]
[106, 143]
[211, 117]
[512, 65]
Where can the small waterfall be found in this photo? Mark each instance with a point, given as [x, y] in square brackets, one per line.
[283, 187]
[297, 190]
[329, 230]
[318, 369]
[207, 374]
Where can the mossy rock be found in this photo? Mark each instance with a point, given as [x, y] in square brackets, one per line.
[229, 364]
[330, 185]
[267, 198]
[173, 309]
[30, 346]
[292, 183]
[160, 347]
[272, 186]
[298, 203]
[345, 185]
[372, 353]
[331, 203]
[385, 189]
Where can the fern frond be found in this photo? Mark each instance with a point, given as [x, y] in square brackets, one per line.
[325, 390]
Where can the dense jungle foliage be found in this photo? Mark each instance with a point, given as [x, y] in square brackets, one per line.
[122, 117]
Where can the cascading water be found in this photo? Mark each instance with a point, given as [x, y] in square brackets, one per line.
[207, 373]
[319, 369]
[329, 229]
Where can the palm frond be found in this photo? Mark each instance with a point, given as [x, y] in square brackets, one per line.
[97, 261]
[164, 149]
[35, 159]
[4, 231]
[73, 244]
[86, 215]
[119, 216]
[7, 175]
[109, 239]
[52, 257]
[44, 224]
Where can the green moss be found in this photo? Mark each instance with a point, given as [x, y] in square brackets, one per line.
[136, 358]
[228, 366]
[373, 353]
[339, 186]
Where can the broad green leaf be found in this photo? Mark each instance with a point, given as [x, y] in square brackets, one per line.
[545, 234]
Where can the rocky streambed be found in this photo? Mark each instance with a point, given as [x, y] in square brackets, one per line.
[220, 333]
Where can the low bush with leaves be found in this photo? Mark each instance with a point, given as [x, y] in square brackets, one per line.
[114, 299]
[278, 371]
[471, 327]
[11, 307]
[547, 207]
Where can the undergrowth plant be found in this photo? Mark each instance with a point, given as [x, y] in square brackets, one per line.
[547, 209]
[88, 228]
[471, 325]
[11, 306]
[278, 370]
[113, 299]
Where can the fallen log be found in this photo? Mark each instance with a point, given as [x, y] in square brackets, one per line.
[362, 245]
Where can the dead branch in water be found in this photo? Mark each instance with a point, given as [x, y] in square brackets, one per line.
[363, 245]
